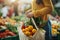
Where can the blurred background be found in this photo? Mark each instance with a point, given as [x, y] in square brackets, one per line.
[19, 5]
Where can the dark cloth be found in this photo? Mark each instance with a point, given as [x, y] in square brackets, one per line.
[16, 10]
[47, 28]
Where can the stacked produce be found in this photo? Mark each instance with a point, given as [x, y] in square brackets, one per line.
[29, 30]
[8, 27]
[3, 21]
[55, 24]
[55, 29]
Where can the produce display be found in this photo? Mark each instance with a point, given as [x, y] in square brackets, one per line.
[3, 21]
[6, 33]
[10, 21]
[55, 26]
[12, 28]
[8, 27]
[55, 29]
[29, 30]
[22, 18]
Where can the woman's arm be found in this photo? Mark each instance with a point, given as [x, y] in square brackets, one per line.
[30, 10]
[44, 11]
[47, 9]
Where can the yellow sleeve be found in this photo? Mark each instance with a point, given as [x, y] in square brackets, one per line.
[34, 6]
[47, 9]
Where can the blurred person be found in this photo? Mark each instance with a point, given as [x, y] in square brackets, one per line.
[16, 9]
[10, 11]
[4, 10]
[41, 9]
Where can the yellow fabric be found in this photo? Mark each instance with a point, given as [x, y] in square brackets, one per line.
[41, 9]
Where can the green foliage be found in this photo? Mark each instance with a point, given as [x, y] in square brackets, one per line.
[0, 13]
[12, 28]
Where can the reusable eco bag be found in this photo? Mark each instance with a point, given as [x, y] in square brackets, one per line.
[39, 35]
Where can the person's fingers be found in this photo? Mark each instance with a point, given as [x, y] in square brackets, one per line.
[28, 11]
[29, 15]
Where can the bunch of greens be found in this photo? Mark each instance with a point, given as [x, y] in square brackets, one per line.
[22, 18]
[12, 28]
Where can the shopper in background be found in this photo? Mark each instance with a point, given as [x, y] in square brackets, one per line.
[41, 8]
[10, 11]
[4, 11]
[16, 8]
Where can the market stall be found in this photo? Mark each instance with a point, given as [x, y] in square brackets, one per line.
[17, 26]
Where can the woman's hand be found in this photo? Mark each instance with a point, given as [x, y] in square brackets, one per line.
[29, 13]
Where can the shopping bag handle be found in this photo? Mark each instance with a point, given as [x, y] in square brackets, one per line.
[33, 21]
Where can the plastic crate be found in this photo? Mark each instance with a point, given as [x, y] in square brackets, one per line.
[11, 38]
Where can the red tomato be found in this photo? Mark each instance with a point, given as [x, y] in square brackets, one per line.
[23, 27]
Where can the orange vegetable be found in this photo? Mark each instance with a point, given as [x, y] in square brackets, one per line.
[34, 30]
[30, 27]
[27, 33]
[26, 29]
